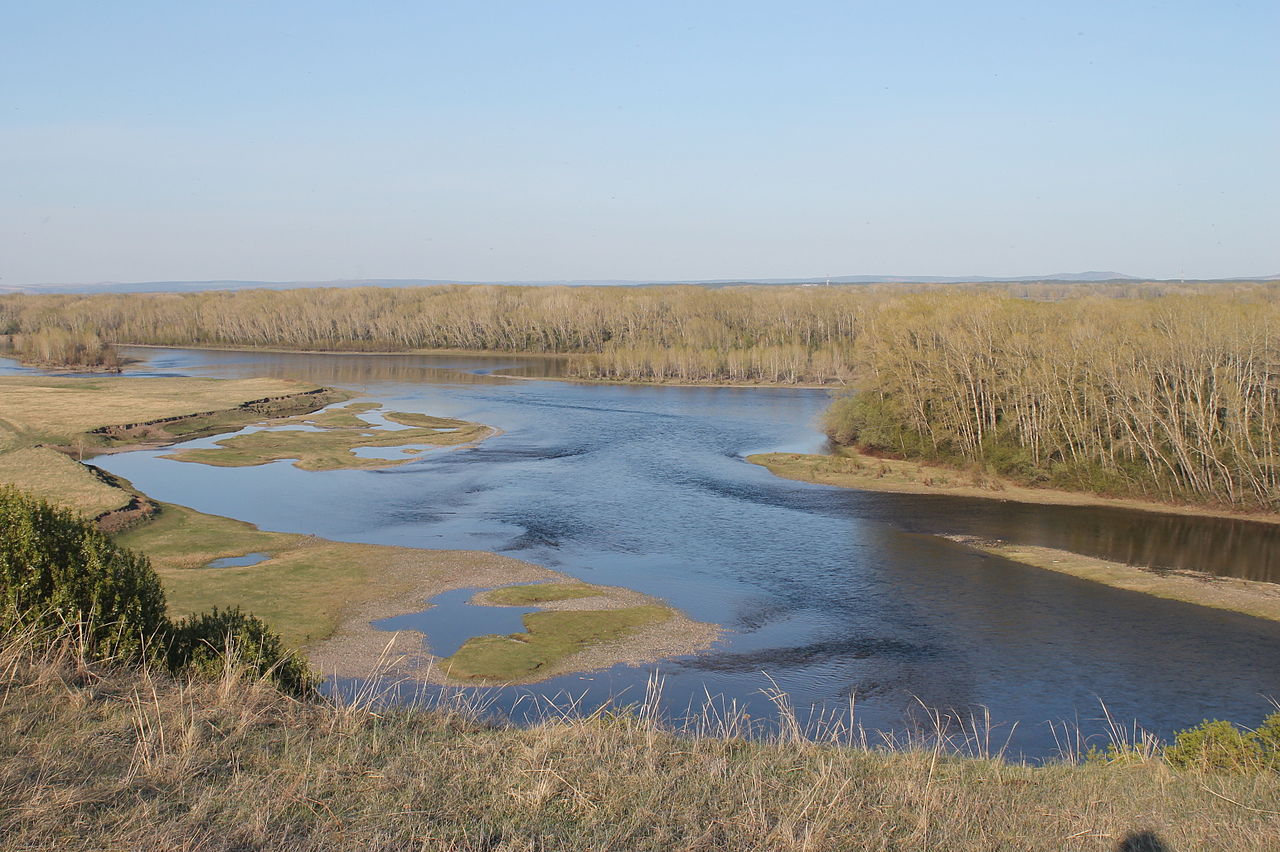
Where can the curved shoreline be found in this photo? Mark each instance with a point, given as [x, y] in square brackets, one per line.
[333, 589]
[357, 649]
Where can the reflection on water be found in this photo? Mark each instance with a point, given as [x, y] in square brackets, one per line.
[354, 371]
[831, 593]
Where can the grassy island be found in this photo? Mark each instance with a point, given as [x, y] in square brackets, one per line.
[574, 624]
[334, 438]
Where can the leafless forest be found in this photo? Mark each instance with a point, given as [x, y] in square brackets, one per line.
[1169, 391]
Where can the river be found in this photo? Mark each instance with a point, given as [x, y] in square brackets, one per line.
[825, 593]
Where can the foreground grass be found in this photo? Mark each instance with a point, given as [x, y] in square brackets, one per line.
[342, 433]
[549, 639]
[94, 759]
[66, 411]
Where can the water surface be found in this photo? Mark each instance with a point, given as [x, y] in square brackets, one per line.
[829, 593]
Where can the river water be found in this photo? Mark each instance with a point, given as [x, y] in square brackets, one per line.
[825, 593]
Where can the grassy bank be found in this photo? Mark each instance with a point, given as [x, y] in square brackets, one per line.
[47, 423]
[92, 758]
[850, 470]
[102, 413]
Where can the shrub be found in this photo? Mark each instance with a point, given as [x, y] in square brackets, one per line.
[57, 570]
[202, 644]
[1268, 738]
[1215, 746]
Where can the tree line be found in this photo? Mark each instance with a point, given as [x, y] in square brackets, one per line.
[1176, 397]
[684, 333]
[1162, 390]
[58, 347]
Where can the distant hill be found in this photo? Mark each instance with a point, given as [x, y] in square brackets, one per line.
[195, 286]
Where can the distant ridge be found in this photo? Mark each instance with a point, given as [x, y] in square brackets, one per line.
[1092, 277]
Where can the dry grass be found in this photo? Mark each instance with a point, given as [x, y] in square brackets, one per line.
[58, 410]
[58, 478]
[93, 759]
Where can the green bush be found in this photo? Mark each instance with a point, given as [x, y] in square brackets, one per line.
[59, 571]
[873, 422]
[1216, 746]
[202, 643]
[1268, 738]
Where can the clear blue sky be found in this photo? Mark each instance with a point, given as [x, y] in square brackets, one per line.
[655, 140]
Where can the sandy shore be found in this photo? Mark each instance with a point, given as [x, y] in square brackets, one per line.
[905, 477]
[1195, 587]
[358, 649]
[868, 473]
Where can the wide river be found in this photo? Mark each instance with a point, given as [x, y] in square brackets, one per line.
[825, 593]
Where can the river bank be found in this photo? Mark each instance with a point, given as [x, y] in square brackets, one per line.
[319, 594]
[867, 473]
[872, 473]
[496, 355]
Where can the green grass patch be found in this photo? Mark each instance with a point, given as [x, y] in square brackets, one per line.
[182, 538]
[300, 590]
[333, 448]
[549, 638]
[535, 593]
